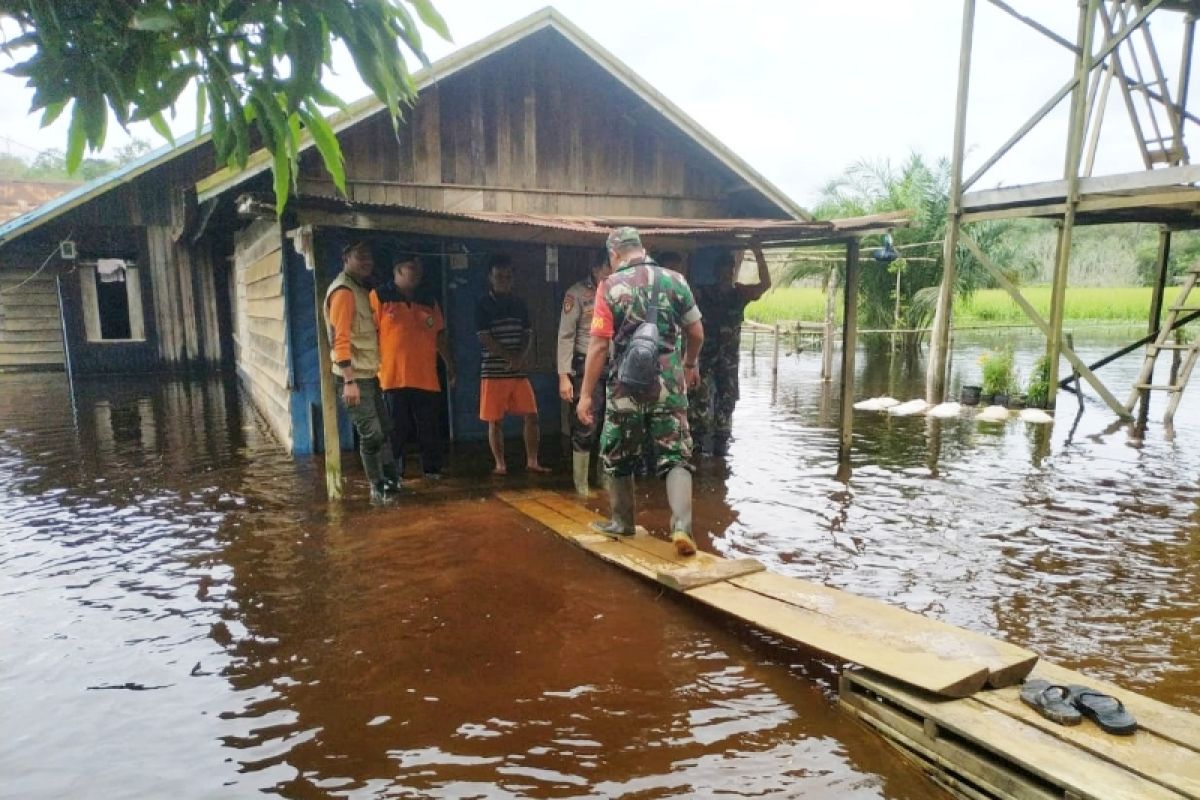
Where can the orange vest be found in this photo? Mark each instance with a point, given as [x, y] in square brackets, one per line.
[408, 333]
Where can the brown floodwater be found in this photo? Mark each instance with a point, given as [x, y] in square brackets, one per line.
[181, 615]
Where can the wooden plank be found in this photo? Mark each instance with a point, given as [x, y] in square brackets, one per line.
[47, 347]
[1039, 753]
[1056, 191]
[23, 310]
[1007, 664]
[29, 359]
[39, 324]
[931, 654]
[1166, 722]
[684, 579]
[29, 336]
[949, 677]
[268, 287]
[265, 267]
[978, 769]
[1153, 758]
[269, 308]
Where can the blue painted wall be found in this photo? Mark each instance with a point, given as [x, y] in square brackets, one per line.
[463, 288]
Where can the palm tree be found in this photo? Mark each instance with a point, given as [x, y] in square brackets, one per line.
[874, 187]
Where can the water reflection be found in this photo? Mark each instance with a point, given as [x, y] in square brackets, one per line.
[185, 617]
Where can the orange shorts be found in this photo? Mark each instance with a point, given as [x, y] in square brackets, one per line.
[500, 396]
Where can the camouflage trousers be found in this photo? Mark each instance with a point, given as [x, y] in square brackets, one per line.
[711, 404]
[625, 433]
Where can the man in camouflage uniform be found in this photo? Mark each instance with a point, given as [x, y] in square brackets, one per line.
[574, 336]
[710, 405]
[621, 306]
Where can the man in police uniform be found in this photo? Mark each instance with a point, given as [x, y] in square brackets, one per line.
[355, 356]
[574, 335]
[710, 406]
[621, 306]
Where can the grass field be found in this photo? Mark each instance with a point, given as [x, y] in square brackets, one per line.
[990, 306]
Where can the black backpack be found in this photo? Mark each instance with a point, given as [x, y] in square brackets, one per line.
[638, 370]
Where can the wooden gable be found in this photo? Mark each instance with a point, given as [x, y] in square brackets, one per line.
[537, 127]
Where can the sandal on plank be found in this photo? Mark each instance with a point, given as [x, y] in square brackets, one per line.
[1050, 700]
[1105, 710]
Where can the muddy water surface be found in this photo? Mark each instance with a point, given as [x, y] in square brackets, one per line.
[182, 616]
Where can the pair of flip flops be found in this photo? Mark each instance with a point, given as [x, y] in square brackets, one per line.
[1068, 705]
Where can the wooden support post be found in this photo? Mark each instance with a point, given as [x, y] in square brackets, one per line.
[1068, 352]
[303, 240]
[775, 365]
[849, 336]
[1076, 132]
[1156, 303]
[753, 343]
[830, 321]
[939, 340]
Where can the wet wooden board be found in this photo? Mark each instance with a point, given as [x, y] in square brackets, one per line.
[903, 630]
[1145, 753]
[1167, 722]
[994, 749]
[684, 579]
[862, 631]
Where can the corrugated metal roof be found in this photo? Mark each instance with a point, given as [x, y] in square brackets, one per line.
[21, 225]
[769, 231]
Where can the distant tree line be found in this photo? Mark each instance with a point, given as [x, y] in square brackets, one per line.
[51, 165]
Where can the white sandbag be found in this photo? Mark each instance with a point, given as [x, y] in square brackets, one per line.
[945, 410]
[993, 414]
[876, 404]
[1035, 416]
[911, 408]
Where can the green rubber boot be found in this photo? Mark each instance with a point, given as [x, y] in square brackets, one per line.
[620, 496]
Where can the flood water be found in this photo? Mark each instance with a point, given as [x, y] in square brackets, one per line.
[182, 616]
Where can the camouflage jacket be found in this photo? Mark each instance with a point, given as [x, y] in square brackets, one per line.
[621, 303]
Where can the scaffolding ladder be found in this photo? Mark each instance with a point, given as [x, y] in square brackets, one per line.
[1189, 350]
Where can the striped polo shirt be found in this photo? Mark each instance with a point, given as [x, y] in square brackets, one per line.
[506, 318]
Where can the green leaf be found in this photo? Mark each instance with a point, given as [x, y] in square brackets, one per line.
[327, 144]
[160, 126]
[281, 172]
[153, 20]
[76, 139]
[53, 112]
[432, 18]
[201, 106]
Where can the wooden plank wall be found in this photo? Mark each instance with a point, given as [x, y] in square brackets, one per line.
[30, 324]
[537, 128]
[260, 328]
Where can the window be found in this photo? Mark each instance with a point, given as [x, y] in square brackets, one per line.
[112, 302]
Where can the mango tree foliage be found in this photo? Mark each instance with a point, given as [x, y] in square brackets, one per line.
[257, 68]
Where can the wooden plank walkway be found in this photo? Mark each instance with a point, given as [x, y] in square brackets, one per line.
[924, 653]
[992, 745]
[921, 683]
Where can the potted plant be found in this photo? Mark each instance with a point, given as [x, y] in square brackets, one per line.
[1037, 391]
[997, 375]
[970, 395]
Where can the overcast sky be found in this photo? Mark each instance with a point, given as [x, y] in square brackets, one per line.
[801, 89]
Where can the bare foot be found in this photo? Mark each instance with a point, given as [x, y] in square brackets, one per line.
[500, 469]
[537, 468]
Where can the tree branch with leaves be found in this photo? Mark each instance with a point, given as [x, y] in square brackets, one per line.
[257, 68]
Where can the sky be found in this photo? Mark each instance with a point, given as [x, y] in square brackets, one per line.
[801, 89]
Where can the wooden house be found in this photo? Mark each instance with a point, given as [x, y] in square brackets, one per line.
[512, 143]
[123, 274]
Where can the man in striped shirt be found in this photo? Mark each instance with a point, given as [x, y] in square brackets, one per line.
[502, 321]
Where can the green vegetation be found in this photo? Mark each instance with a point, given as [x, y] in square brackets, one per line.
[983, 307]
[258, 68]
[998, 374]
[51, 165]
[1037, 391]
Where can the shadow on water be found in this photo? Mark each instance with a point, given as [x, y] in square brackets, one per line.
[184, 616]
